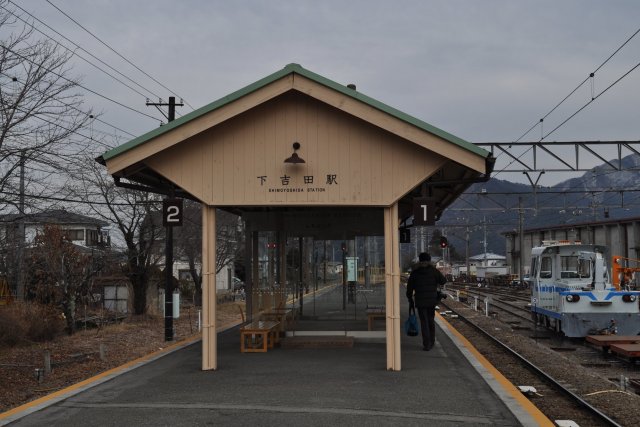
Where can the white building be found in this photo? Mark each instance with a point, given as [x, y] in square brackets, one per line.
[484, 265]
[488, 265]
[80, 229]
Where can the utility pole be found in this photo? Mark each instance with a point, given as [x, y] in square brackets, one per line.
[21, 234]
[484, 225]
[521, 240]
[168, 248]
[467, 254]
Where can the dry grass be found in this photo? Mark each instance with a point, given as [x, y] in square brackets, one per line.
[75, 358]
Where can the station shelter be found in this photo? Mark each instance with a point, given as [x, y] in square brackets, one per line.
[296, 154]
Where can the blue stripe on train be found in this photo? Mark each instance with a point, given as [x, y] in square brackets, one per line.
[546, 312]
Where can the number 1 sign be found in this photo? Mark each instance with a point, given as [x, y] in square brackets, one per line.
[423, 211]
[172, 212]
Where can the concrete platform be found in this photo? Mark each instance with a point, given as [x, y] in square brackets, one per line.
[451, 385]
[321, 341]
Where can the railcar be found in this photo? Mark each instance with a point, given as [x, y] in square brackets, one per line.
[572, 293]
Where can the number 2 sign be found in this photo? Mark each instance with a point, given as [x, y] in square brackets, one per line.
[172, 212]
[423, 211]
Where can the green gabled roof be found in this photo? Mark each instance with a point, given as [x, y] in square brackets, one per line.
[297, 69]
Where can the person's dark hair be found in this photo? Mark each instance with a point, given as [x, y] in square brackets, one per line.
[424, 257]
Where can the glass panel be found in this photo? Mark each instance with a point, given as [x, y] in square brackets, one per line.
[569, 267]
[546, 269]
[584, 268]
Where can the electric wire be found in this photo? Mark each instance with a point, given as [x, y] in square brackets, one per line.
[592, 100]
[76, 109]
[591, 75]
[74, 53]
[78, 201]
[78, 84]
[116, 52]
[580, 84]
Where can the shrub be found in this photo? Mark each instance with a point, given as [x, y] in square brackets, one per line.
[44, 322]
[12, 328]
[28, 322]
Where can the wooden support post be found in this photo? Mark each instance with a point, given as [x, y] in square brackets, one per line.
[209, 336]
[392, 286]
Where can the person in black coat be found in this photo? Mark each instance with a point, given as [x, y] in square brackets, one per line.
[424, 283]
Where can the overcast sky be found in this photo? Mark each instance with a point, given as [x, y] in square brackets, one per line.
[481, 70]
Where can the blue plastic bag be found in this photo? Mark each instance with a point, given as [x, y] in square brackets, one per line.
[411, 327]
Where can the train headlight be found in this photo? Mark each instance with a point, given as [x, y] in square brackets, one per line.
[573, 298]
[628, 298]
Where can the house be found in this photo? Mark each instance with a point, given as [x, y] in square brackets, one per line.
[483, 265]
[486, 265]
[188, 247]
[18, 233]
[80, 229]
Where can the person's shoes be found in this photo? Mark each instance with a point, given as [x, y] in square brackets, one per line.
[426, 348]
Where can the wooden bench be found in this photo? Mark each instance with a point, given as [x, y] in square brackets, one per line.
[373, 314]
[258, 336]
[282, 315]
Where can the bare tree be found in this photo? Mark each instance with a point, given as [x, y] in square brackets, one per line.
[132, 212]
[188, 242]
[40, 113]
[60, 272]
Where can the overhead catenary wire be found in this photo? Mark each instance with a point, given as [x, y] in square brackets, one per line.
[592, 100]
[579, 85]
[555, 195]
[590, 76]
[117, 53]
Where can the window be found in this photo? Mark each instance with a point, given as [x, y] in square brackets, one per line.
[534, 265]
[546, 268]
[92, 238]
[569, 267]
[75, 234]
[184, 275]
[584, 268]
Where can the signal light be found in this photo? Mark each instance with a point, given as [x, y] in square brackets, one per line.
[443, 242]
[628, 298]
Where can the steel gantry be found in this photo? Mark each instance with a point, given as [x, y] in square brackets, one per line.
[525, 156]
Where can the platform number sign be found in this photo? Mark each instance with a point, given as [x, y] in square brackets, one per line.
[423, 211]
[405, 235]
[172, 212]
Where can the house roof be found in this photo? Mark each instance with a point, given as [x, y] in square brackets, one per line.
[294, 69]
[488, 255]
[59, 216]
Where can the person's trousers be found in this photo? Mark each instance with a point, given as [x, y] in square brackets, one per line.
[427, 326]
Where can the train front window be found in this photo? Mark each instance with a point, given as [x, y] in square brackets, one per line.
[569, 267]
[584, 268]
[546, 269]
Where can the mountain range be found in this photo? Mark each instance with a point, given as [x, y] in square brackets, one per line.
[492, 208]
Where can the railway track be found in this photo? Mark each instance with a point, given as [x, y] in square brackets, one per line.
[554, 396]
[518, 317]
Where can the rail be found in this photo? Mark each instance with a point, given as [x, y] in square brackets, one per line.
[593, 410]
